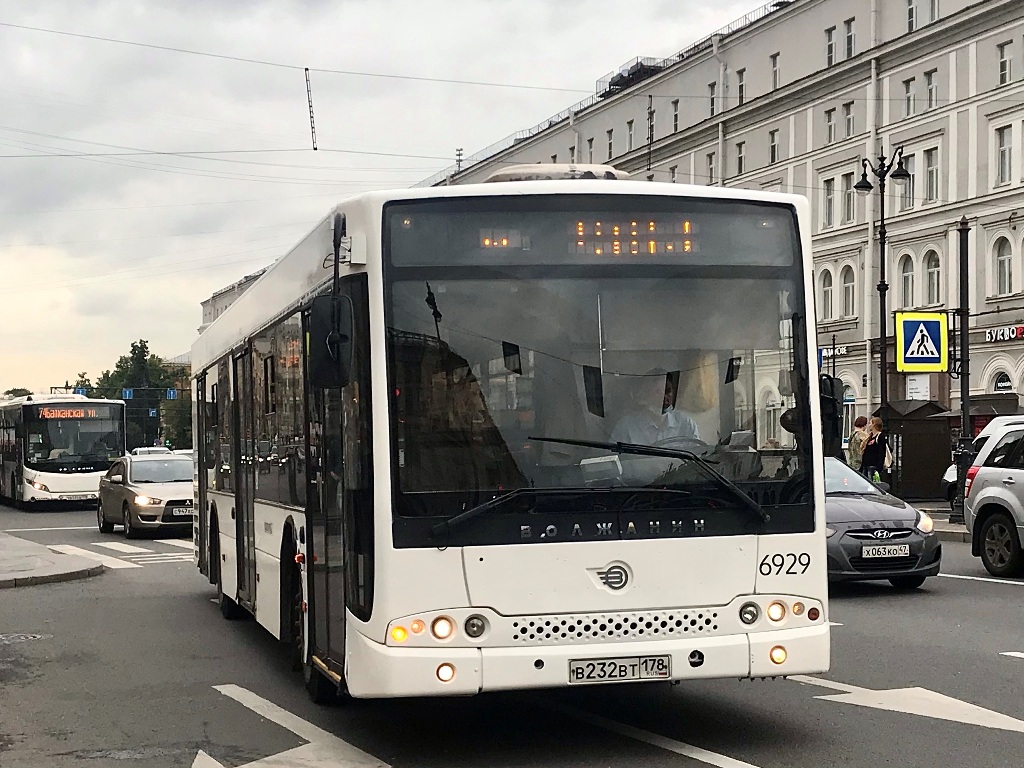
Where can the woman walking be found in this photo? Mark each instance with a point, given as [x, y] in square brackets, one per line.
[876, 457]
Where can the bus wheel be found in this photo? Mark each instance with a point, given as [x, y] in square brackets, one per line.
[228, 608]
[320, 689]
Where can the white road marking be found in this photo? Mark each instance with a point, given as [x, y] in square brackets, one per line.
[654, 739]
[37, 530]
[183, 543]
[324, 750]
[915, 701]
[834, 624]
[157, 559]
[110, 562]
[981, 578]
[1014, 654]
[119, 546]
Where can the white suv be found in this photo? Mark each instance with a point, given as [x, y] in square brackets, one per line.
[994, 504]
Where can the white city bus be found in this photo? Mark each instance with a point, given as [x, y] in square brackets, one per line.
[57, 447]
[521, 440]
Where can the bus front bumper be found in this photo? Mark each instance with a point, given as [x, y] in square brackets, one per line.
[30, 493]
[378, 671]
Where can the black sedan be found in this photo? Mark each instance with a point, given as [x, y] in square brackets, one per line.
[873, 535]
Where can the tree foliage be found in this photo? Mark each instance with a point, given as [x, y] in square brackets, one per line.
[149, 378]
[17, 392]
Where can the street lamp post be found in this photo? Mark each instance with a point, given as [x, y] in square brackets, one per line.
[882, 170]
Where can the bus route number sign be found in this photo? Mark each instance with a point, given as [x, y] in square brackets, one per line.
[68, 413]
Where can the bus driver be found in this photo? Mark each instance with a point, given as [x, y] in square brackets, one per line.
[654, 418]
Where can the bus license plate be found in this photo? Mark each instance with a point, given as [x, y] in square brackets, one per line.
[885, 550]
[76, 497]
[582, 671]
[180, 511]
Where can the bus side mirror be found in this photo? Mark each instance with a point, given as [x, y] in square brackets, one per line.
[329, 342]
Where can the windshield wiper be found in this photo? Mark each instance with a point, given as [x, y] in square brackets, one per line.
[669, 453]
[479, 509]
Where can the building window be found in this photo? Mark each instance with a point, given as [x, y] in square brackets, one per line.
[830, 126]
[931, 87]
[933, 276]
[611, 143]
[572, 154]
[675, 115]
[908, 97]
[849, 199]
[629, 135]
[933, 7]
[849, 406]
[773, 146]
[907, 193]
[1005, 62]
[849, 293]
[590, 150]
[1003, 155]
[1004, 267]
[776, 75]
[851, 39]
[828, 204]
[907, 281]
[712, 90]
[741, 160]
[826, 295]
[911, 15]
[848, 119]
[672, 174]
[711, 167]
[741, 86]
[931, 170]
[652, 125]
[830, 46]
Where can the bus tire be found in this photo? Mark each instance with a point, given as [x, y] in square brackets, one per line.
[229, 609]
[321, 689]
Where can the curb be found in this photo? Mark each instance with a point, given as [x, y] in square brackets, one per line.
[52, 578]
[953, 535]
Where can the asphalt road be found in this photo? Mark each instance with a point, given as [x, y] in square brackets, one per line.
[120, 670]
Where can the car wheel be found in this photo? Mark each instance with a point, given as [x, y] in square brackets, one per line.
[907, 582]
[101, 522]
[1000, 548]
[129, 530]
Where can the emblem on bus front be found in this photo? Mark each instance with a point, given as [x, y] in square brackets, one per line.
[615, 576]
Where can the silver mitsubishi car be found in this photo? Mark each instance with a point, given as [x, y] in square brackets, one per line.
[874, 535]
[149, 492]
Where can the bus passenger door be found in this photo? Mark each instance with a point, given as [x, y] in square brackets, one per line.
[245, 533]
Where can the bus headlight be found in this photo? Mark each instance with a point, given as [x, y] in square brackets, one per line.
[925, 524]
[147, 501]
[442, 628]
[39, 486]
[749, 613]
[776, 611]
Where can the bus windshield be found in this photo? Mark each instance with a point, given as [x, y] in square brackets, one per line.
[73, 437]
[577, 327]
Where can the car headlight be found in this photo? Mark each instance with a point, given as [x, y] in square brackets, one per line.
[925, 524]
[829, 532]
[147, 501]
[39, 486]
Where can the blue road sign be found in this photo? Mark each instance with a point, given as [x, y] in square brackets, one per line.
[172, 394]
[80, 390]
[127, 394]
[152, 411]
[922, 342]
[821, 358]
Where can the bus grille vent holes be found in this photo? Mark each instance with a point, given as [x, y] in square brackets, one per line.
[613, 626]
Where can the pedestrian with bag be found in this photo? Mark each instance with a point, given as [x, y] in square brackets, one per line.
[876, 457]
[855, 445]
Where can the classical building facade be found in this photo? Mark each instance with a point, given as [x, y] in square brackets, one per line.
[791, 98]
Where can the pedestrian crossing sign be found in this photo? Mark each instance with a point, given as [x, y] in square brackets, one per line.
[922, 342]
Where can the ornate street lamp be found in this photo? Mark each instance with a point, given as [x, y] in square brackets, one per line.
[882, 170]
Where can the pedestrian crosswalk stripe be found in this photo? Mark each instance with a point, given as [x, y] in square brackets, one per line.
[154, 559]
[183, 543]
[119, 546]
[110, 562]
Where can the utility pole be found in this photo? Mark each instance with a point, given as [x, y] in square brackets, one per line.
[458, 159]
[964, 453]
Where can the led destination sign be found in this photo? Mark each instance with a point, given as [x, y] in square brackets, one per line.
[73, 412]
[599, 237]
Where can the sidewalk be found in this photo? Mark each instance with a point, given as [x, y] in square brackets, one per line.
[23, 563]
[939, 512]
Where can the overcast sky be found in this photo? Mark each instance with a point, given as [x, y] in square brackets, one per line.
[98, 252]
